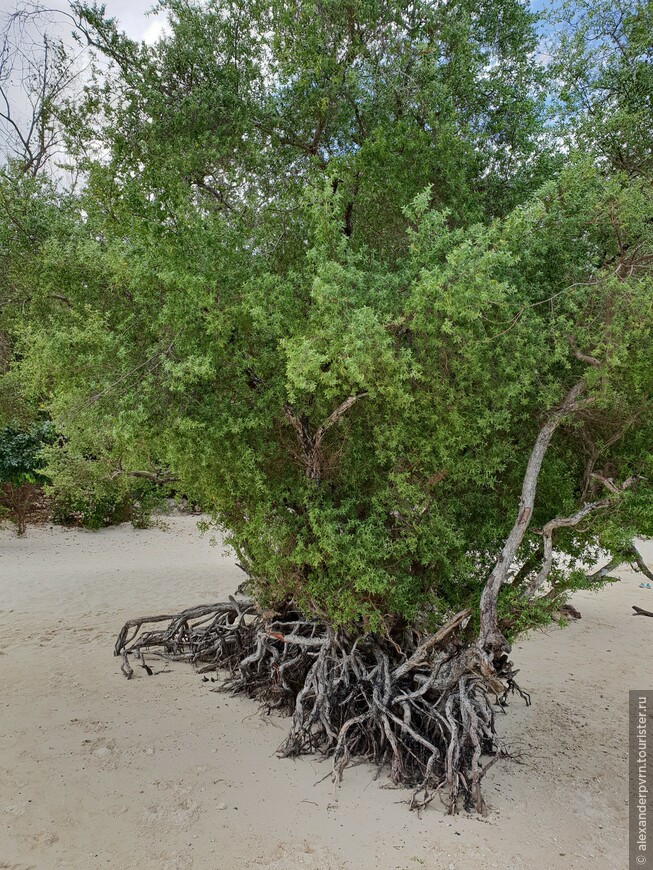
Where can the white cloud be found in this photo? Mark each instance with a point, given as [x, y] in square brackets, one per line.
[133, 18]
[156, 28]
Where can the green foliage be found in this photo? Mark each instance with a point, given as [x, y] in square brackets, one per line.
[603, 58]
[145, 499]
[517, 618]
[85, 490]
[82, 490]
[20, 474]
[20, 453]
[327, 270]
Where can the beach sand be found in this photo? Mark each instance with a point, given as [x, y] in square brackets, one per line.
[160, 773]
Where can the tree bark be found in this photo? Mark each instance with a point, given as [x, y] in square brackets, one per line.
[547, 533]
[310, 443]
[490, 637]
[639, 561]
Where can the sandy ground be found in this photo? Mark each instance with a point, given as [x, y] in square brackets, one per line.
[160, 772]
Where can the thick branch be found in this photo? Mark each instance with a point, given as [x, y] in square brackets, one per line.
[310, 442]
[150, 475]
[547, 533]
[583, 357]
[154, 476]
[336, 415]
[606, 570]
[639, 561]
[490, 637]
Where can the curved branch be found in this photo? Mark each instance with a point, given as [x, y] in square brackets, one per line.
[336, 415]
[547, 533]
[639, 561]
[154, 476]
[150, 475]
[490, 638]
[574, 520]
[583, 357]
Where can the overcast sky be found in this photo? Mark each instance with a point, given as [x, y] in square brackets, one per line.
[133, 18]
[132, 15]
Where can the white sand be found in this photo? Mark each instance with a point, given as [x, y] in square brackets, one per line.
[160, 772]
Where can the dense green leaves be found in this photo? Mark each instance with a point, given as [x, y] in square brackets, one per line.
[20, 453]
[603, 54]
[327, 270]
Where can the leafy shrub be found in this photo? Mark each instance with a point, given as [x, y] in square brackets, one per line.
[82, 490]
[20, 477]
[86, 491]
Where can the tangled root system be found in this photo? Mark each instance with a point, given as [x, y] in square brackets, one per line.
[422, 711]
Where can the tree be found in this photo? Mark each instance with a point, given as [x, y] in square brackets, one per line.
[38, 71]
[20, 454]
[334, 279]
[602, 54]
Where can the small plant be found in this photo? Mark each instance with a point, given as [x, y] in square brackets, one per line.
[20, 477]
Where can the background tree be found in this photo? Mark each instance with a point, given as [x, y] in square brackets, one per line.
[602, 55]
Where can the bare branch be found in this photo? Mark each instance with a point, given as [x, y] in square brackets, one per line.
[310, 443]
[583, 357]
[36, 70]
[568, 522]
[336, 415]
[490, 638]
[639, 561]
[547, 532]
[155, 477]
[596, 451]
[606, 570]
[623, 486]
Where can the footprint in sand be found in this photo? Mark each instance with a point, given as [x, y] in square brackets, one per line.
[300, 856]
[17, 809]
[102, 751]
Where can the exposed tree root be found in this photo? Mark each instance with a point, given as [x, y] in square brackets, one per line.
[424, 712]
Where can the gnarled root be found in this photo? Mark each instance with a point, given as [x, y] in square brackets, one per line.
[425, 713]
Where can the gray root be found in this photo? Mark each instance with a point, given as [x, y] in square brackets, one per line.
[424, 713]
